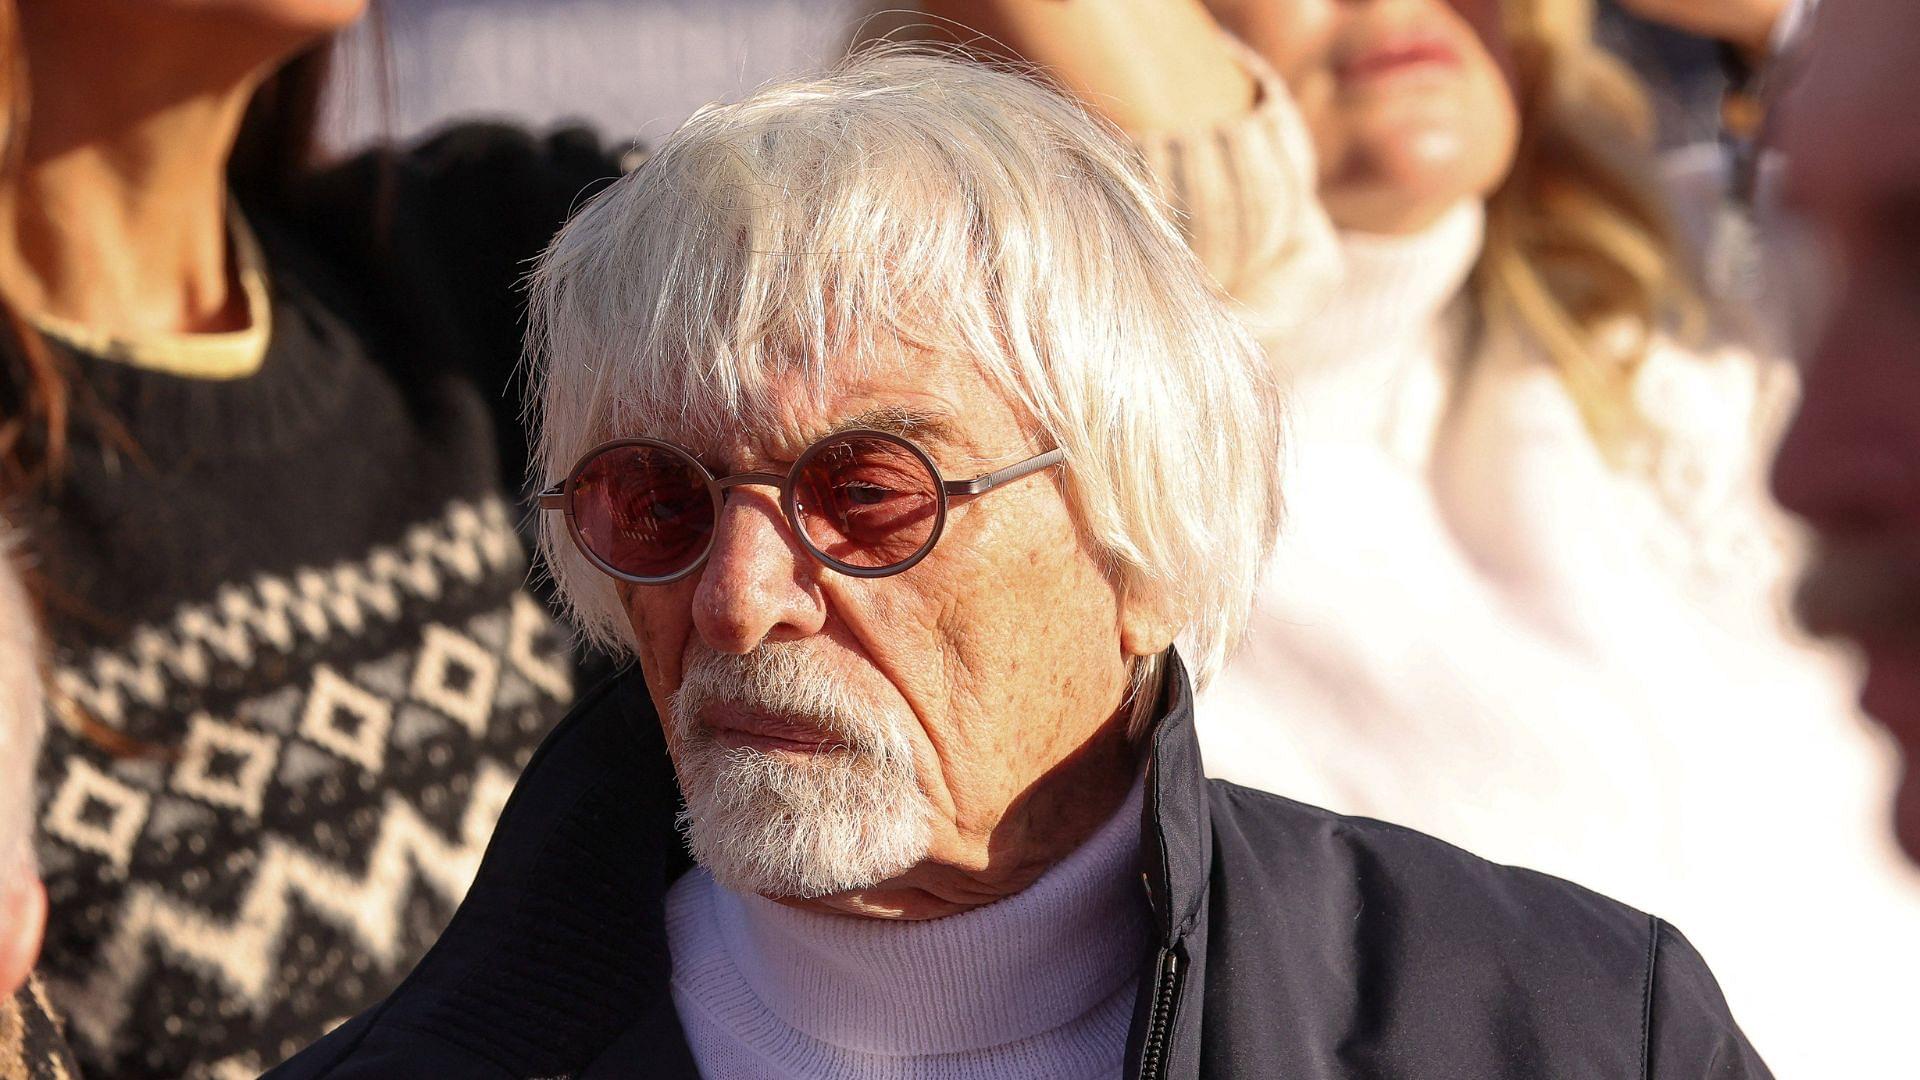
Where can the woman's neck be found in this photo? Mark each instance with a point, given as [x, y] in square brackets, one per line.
[115, 216]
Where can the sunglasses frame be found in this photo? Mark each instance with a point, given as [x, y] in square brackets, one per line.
[560, 497]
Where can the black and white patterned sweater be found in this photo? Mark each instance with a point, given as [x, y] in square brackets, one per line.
[297, 666]
[31, 1044]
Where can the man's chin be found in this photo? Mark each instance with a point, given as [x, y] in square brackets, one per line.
[1906, 810]
[800, 826]
[786, 867]
[1892, 691]
[1892, 696]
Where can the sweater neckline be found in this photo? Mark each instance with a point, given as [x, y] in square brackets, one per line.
[1376, 366]
[218, 356]
[1011, 970]
[305, 376]
[1393, 290]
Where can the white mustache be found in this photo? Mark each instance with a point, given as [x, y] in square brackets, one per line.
[782, 679]
[782, 826]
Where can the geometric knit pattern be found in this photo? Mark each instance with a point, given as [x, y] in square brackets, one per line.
[31, 1046]
[315, 762]
[469, 541]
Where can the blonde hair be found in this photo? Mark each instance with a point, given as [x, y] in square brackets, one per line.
[1581, 252]
[910, 197]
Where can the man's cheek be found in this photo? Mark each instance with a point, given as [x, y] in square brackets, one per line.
[660, 633]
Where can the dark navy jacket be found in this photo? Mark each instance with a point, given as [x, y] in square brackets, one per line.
[1291, 943]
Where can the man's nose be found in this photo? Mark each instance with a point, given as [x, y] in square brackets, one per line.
[1848, 461]
[758, 583]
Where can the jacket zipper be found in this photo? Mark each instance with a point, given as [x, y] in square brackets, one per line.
[1153, 1058]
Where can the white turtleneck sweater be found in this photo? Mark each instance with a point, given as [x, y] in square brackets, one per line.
[1474, 625]
[1040, 984]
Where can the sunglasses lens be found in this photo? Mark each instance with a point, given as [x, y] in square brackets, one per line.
[867, 503]
[643, 510]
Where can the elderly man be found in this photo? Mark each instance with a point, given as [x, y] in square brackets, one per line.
[1850, 464]
[894, 432]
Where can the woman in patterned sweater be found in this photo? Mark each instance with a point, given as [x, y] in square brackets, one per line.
[259, 433]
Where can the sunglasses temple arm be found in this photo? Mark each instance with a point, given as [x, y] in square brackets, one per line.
[980, 485]
[554, 498]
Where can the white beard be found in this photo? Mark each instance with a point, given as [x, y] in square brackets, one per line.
[781, 824]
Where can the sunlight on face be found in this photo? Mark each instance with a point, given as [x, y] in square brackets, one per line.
[1850, 465]
[807, 820]
[1409, 106]
[831, 732]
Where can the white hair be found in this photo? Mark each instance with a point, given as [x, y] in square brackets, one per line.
[957, 207]
[22, 715]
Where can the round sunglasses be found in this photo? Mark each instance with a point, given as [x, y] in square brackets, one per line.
[865, 503]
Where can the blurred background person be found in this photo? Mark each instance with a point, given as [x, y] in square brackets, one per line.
[31, 1044]
[259, 430]
[1533, 599]
[1701, 63]
[1850, 463]
[642, 66]
[1684, 74]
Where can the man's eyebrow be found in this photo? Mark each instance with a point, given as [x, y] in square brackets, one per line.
[916, 424]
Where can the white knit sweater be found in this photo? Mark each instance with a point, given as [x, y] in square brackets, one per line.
[1475, 626]
[1040, 984]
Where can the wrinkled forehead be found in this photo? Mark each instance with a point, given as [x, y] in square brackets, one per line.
[938, 398]
[1852, 122]
[806, 335]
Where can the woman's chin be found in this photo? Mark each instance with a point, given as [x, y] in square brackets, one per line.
[302, 18]
[1396, 166]
[1392, 206]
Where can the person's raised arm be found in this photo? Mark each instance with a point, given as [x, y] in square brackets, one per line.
[1217, 127]
[1748, 25]
[1147, 65]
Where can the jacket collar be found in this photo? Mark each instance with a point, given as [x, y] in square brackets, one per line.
[1176, 835]
[566, 916]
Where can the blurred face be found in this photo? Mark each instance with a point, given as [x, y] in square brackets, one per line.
[1850, 465]
[248, 29]
[316, 16]
[23, 900]
[831, 733]
[1408, 102]
[23, 918]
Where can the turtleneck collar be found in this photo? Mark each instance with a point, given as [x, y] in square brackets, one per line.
[1374, 365]
[1393, 287]
[1011, 970]
[218, 356]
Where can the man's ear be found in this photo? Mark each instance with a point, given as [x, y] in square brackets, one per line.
[1146, 628]
[23, 920]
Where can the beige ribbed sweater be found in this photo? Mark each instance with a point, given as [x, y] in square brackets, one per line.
[1476, 627]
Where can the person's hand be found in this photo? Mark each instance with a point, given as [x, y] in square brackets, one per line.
[1745, 24]
[1148, 65]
